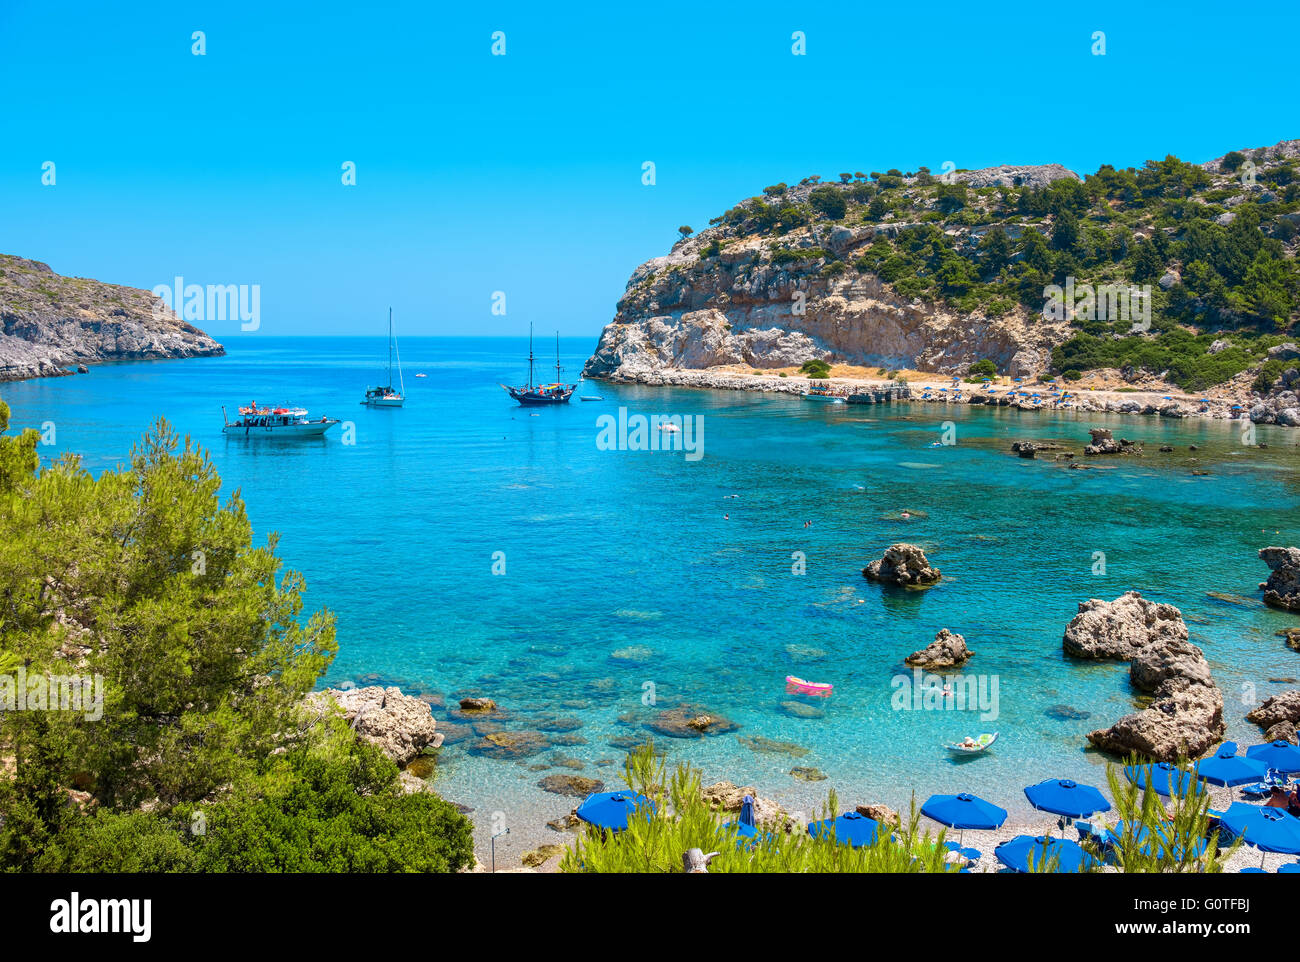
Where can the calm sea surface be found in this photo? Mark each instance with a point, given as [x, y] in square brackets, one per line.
[622, 571]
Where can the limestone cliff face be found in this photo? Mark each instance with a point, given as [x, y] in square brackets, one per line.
[721, 297]
[48, 322]
[739, 307]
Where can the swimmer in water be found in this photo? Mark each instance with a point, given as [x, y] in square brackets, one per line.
[906, 515]
[726, 517]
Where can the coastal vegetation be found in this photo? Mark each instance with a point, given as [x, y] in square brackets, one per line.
[198, 753]
[1214, 245]
[682, 819]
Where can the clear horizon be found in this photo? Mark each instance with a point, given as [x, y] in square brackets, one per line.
[522, 173]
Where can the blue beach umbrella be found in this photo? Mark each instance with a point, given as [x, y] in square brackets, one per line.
[1279, 755]
[1143, 837]
[747, 811]
[1268, 829]
[1290, 868]
[1227, 768]
[610, 810]
[1024, 851]
[963, 811]
[1165, 779]
[851, 828]
[1062, 796]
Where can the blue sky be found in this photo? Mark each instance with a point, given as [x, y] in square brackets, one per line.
[522, 173]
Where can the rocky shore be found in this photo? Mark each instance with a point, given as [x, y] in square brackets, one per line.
[1233, 404]
[50, 323]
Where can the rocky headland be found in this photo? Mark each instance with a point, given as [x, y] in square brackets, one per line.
[903, 275]
[50, 323]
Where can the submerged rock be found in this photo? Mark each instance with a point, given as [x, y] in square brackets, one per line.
[509, 745]
[905, 565]
[1282, 590]
[471, 706]
[769, 746]
[539, 856]
[687, 721]
[577, 786]
[800, 710]
[1067, 713]
[805, 774]
[946, 651]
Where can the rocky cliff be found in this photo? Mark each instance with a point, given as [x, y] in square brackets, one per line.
[48, 322]
[934, 273]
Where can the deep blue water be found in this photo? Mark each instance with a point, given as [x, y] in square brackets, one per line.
[611, 550]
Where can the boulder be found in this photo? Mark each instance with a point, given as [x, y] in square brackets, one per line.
[1121, 628]
[1186, 723]
[471, 706]
[903, 564]
[881, 813]
[401, 725]
[1277, 710]
[1176, 663]
[1282, 590]
[946, 651]
[511, 745]
[1281, 732]
[727, 797]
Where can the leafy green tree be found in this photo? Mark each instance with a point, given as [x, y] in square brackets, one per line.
[145, 578]
[828, 201]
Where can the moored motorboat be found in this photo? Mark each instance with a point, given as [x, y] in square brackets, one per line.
[823, 394]
[280, 422]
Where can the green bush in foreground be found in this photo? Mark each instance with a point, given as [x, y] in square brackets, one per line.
[656, 844]
[202, 757]
[683, 820]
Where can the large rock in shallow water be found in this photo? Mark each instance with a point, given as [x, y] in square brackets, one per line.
[1283, 709]
[1185, 723]
[1121, 628]
[1282, 590]
[401, 725]
[1175, 663]
[903, 564]
[946, 651]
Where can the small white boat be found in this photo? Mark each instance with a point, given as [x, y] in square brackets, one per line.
[591, 397]
[979, 744]
[279, 422]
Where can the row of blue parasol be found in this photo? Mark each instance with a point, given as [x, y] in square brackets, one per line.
[1267, 829]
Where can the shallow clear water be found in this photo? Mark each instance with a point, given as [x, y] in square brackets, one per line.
[608, 550]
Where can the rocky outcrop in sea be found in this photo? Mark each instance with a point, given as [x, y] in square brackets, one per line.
[905, 565]
[1282, 589]
[1185, 718]
[401, 725]
[49, 323]
[948, 650]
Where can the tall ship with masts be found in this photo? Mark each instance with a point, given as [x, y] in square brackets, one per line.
[388, 396]
[533, 395]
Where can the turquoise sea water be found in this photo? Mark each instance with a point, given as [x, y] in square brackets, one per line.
[612, 550]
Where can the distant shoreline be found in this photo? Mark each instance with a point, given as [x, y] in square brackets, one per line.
[936, 389]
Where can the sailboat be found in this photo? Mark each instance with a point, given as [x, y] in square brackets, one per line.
[531, 395]
[388, 396]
